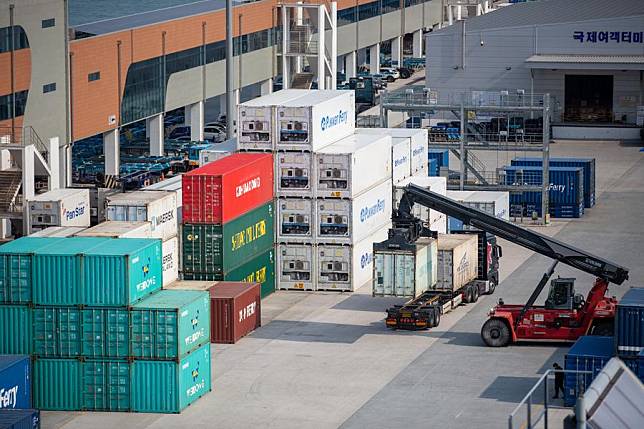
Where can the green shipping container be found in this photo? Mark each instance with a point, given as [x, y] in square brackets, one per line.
[217, 249]
[15, 330]
[260, 269]
[170, 324]
[106, 332]
[57, 331]
[121, 385]
[16, 259]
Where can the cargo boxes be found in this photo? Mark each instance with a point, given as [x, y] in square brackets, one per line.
[121, 385]
[172, 184]
[404, 272]
[351, 166]
[315, 120]
[60, 207]
[457, 261]
[629, 323]
[493, 203]
[436, 220]
[15, 329]
[58, 231]
[217, 151]
[170, 324]
[157, 207]
[20, 419]
[217, 249]
[589, 353]
[417, 145]
[296, 219]
[294, 174]
[296, 266]
[227, 188]
[15, 382]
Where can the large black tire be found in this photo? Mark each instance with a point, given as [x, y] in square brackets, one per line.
[469, 294]
[491, 286]
[475, 293]
[431, 319]
[390, 79]
[495, 333]
[437, 312]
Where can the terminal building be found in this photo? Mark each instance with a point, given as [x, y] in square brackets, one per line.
[587, 54]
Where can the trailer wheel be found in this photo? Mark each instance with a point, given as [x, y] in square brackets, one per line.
[437, 313]
[475, 293]
[431, 319]
[491, 286]
[469, 294]
[495, 333]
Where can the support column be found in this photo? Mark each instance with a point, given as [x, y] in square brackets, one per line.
[111, 150]
[222, 104]
[286, 76]
[418, 44]
[155, 125]
[54, 164]
[66, 159]
[196, 112]
[334, 45]
[362, 57]
[5, 164]
[266, 87]
[28, 185]
[186, 116]
[374, 58]
[350, 64]
[321, 48]
[396, 51]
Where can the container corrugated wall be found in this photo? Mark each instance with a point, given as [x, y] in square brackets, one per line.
[20, 419]
[105, 332]
[57, 331]
[57, 384]
[440, 155]
[629, 323]
[236, 310]
[589, 353]
[15, 329]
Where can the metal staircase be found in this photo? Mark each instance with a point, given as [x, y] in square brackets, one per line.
[10, 182]
[302, 81]
[473, 164]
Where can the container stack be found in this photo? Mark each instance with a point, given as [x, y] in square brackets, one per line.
[228, 223]
[437, 158]
[491, 202]
[629, 330]
[436, 220]
[90, 312]
[590, 354]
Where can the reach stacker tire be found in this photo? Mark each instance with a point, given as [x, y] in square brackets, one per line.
[495, 333]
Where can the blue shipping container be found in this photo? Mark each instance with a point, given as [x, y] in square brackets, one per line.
[19, 419]
[629, 323]
[433, 168]
[588, 164]
[440, 155]
[589, 353]
[15, 381]
[640, 369]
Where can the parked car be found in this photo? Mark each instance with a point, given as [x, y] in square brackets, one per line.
[390, 74]
[180, 131]
[405, 72]
[214, 133]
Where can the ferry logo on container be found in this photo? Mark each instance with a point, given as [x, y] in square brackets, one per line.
[372, 210]
[9, 397]
[418, 151]
[331, 121]
[74, 213]
[248, 186]
[365, 260]
[400, 161]
[554, 187]
[247, 311]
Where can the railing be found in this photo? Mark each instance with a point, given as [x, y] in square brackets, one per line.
[419, 95]
[22, 137]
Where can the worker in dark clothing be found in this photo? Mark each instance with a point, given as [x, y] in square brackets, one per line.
[559, 380]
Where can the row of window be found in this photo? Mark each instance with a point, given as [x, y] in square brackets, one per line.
[19, 39]
[370, 10]
[6, 105]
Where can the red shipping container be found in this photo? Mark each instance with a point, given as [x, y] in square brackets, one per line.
[224, 189]
[235, 311]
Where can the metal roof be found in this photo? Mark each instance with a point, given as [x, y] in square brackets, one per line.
[625, 62]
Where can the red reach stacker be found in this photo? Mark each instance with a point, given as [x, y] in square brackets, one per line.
[566, 315]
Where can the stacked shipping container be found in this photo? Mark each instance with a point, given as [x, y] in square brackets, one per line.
[491, 202]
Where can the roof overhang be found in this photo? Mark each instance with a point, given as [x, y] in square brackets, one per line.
[586, 62]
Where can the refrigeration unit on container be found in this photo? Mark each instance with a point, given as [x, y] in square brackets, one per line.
[342, 221]
[347, 268]
[295, 219]
[588, 164]
[169, 324]
[217, 151]
[629, 323]
[296, 266]
[227, 188]
[315, 120]
[59, 207]
[588, 354]
[15, 382]
[16, 335]
[351, 166]
[20, 419]
[435, 220]
[147, 386]
[173, 184]
[294, 174]
[457, 261]
[119, 229]
[58, 231]
[157, 207]
[257, 119]
[494, 203]
[405, 272]
[417, 139]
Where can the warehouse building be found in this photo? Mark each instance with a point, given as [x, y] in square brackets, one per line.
[587, 54]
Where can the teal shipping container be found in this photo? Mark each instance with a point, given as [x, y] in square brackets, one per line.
[170, 324]
[121, 385]
[15, 330]
[106, 332]
[16, 259]
[57, 331]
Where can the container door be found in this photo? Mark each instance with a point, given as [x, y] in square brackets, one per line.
[404, 276]
[106, 385]
[383, 283]
[421, 282]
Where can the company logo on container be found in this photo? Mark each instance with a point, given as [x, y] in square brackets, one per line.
[370, 211]
[331, 121]
[554, 187]
[74, 213]
[248, 186]
[163, 218]
[147, 282]
[258, 276]
[366, 259]
[400, 161]
[198, 386]
[248, 234]
[463, 264]
[418, 151]
[247, 311]
[9, 397]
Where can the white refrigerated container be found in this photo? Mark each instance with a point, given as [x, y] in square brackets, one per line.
[343, 221]
[495, 203]
[58, 231]
[295, 219]
[418, 145]
[349, 167]
[436, 220]
[347, 268]
[257, 119]
[172, 184]
[170, 260]
[217, 151]
[296, 266]
[59, 207]
[457, 261]
[294, 174]
[315, 120]
[158, 207]
[119, 229]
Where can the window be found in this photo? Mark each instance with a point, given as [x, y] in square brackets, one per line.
[6, 104]
[409, 3]
[346, 16]
[19, 39]
[94, 76]
[183, 60]
[144, 92]
[48, 23]
[368, 10]
[390, 5]
[50, 87]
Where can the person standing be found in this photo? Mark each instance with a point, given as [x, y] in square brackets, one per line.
[559, 380]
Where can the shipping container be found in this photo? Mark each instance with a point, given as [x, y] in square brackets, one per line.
[315, 120]
[58, 231]
[341, 221]
[119, 229]
[433, 170]
[257, 119]
[441, 156]
[640, 368]
[59, 207]
[405, 273]
[589, 353]
[169, 324]
[351, 166]
[491, 202]
[347, 268]
[417, 139]
[217, 151]
[436, 220]
[588, 164]
[158, 207]
[16, 332]
[172, 184]
[15, 382]
[457, 261]
[296, 266]
[294, 174]
[217, 249]
[629, 323]
[106, 332]
[295, 219]
[227, 188]
[16, 268]
[170, 260]
[20, 419]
